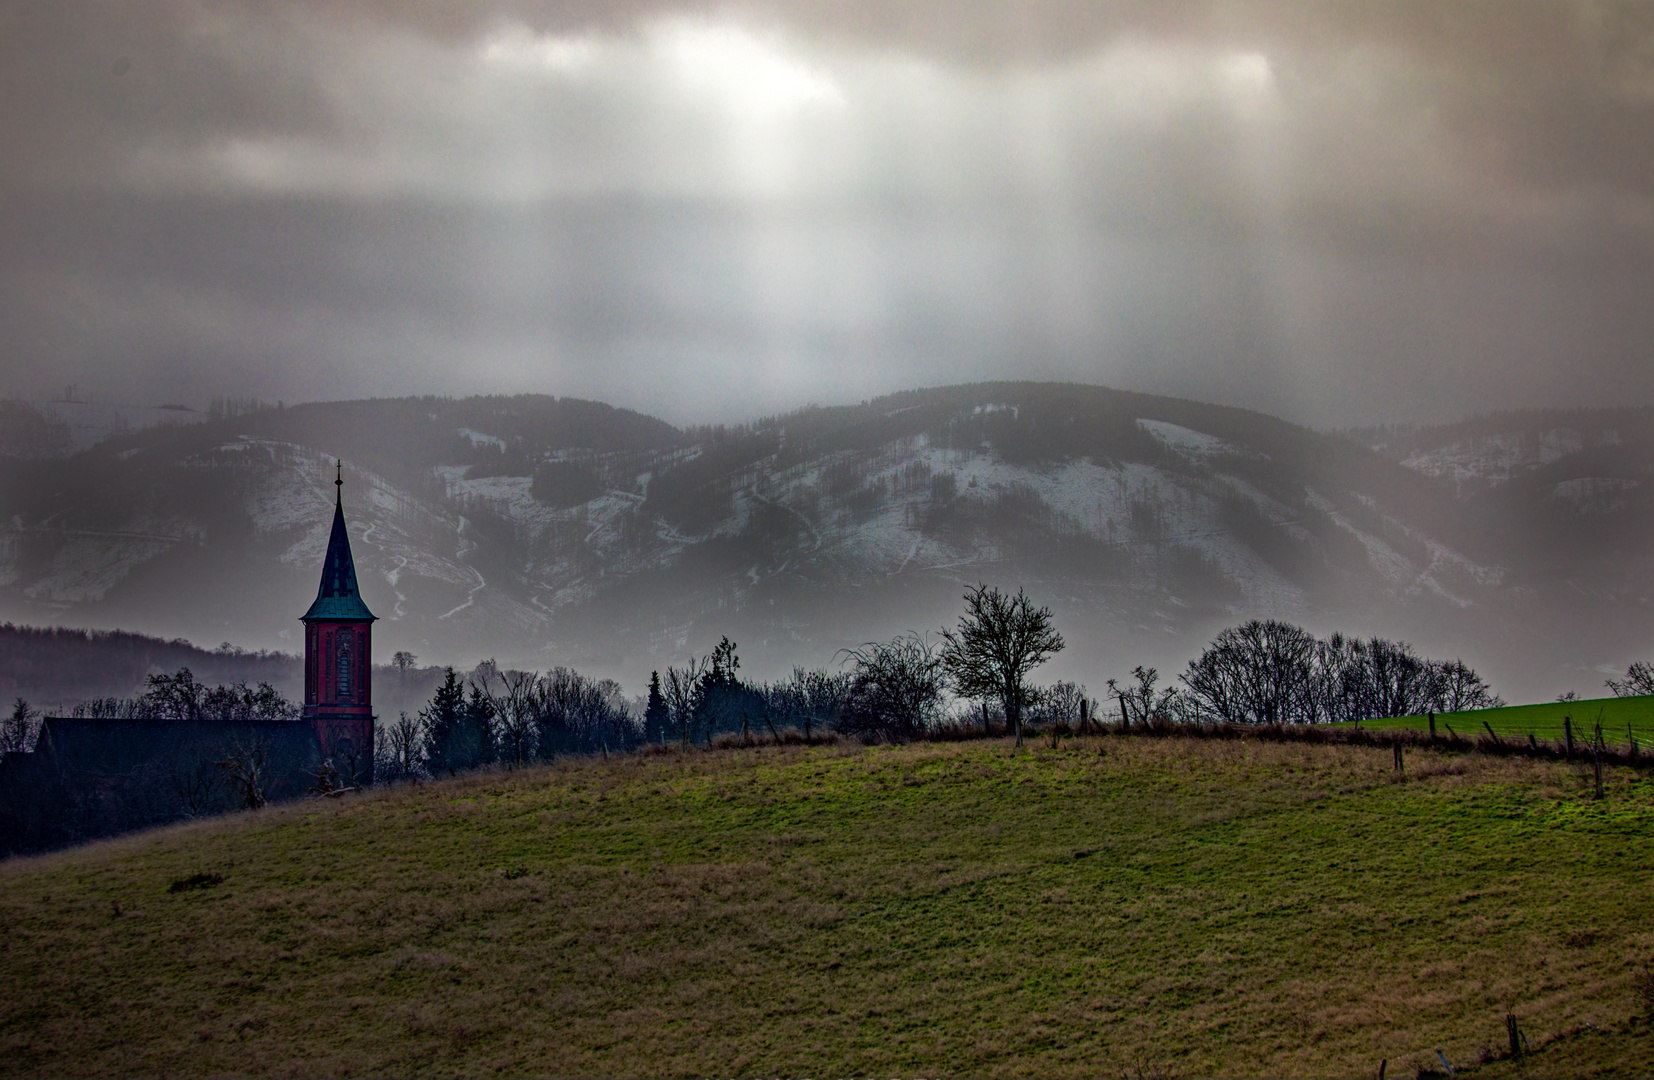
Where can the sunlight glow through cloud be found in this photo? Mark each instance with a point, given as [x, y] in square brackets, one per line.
[744, 73]
[726, 207]
[700, 108]
[725, 65]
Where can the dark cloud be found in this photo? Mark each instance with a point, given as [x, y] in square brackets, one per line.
[86, 83]
[1340, 211]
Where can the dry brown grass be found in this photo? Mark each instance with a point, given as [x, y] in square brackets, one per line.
[1113, 906]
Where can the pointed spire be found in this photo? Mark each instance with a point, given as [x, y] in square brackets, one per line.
[337, 597]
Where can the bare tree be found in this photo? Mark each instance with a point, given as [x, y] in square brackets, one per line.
[1638, 681]
[1141, 696]
[679, 690]
[400, 749]
[575, 714]
[110, 708]
[1396, 680]
[353, 762]
[817, 697]
[1337, 690]
[1140, 703]
[999, 640]
[175, 697]
[245, 765]
[1259, 672]
[239, 704]
[1064, 703]
[896, 688]
[1454, 687]
[516, 696]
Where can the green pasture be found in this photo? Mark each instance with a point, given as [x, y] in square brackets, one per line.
[1111, 906]
[1621, 718]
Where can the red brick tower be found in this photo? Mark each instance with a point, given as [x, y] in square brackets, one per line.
[338, 634]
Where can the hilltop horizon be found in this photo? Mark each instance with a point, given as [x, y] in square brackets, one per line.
[217, 406]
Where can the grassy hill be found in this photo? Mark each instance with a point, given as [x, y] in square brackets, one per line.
[1622, 719]
[1114, 906]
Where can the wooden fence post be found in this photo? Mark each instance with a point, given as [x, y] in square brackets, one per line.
[1397, 746]
[1084, 714]
[1596, 758]
[1432, 727]
[1515, 1034]
[1568, 733]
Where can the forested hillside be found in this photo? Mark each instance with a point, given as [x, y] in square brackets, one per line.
[547, 531]
[58, 668]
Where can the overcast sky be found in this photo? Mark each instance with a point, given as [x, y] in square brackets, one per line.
[1337, 212]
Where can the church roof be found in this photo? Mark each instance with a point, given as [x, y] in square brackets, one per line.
[337, 598]
[121, 747]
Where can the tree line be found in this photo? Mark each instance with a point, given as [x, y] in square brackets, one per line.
[955, 682]
[910, 687]
[916, 686]
[1266, 671]
[181, 696]
[57, 666]
[505, 716]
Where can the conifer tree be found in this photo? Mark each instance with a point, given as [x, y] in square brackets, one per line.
[443, 724]
[655, 713]
[478, 725]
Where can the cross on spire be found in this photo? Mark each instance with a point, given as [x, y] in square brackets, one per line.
[339, 482]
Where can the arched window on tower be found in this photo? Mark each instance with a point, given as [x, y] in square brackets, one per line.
[343, 681]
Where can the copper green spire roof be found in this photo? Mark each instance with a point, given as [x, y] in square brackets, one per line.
[337, 597]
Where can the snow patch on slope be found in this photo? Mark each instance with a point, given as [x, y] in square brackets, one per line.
[478, 438]
[1495, 459]
[1187, 441]
[1085, 499]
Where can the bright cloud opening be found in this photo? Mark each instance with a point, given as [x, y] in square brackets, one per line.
[746, 74]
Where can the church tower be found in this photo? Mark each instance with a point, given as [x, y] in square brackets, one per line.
[338, 629]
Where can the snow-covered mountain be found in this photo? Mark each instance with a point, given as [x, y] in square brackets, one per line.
[550, 531]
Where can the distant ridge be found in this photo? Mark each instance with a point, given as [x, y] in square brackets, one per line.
[52, 666]
[543, 530]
